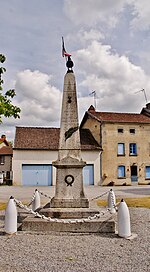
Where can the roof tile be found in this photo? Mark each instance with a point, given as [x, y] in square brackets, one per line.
[40, 138]
[121, 117]
[6, 150]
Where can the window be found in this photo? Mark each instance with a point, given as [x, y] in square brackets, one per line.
[121, 149]
[147, 172]
[132, 130]
[2, 159]
[120, 130]
[133, 149]
[121, 171]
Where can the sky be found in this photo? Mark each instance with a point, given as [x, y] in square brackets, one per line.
[109, 42]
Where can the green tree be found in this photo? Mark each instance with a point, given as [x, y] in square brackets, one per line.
[7, 109]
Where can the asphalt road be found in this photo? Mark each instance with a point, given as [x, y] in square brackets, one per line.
[26, 193]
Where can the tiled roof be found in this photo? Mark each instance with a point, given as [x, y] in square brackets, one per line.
[119, 117]
[6, 150]
[87, 140]
[36, 138]
[40, 138]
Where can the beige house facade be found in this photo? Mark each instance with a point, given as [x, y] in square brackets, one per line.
[125, 142]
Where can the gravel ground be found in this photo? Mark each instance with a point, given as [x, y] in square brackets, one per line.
[78, 252]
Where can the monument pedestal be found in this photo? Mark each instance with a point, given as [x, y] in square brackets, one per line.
[69, 203]
[69, 191]
[105, 224]
[71, 213]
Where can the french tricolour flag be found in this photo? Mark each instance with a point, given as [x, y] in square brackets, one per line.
[64, 53]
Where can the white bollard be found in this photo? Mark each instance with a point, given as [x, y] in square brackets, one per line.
[124, 228]
[1, 178]
[111, 200]
[36, 202]
[11, 217]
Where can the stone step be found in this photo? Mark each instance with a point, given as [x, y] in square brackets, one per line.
[101, 225]
[68, 213]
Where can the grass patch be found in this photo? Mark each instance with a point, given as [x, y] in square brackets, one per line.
[143, 202]
[2, 206]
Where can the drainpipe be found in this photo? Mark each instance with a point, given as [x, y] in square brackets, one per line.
[101, 153]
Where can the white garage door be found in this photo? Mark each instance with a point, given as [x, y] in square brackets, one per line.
[37, 175]
[88, 174]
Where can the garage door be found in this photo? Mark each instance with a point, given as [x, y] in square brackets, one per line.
[36, 175]
[88, 174]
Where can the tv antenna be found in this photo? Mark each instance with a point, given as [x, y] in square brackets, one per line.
[143, 90]
[94, 96]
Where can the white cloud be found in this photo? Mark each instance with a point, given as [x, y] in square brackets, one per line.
[32, 39]
[114, 78]
[84, 36]
[93, 34]
[90, 12]
[38, 99]
[141, 13]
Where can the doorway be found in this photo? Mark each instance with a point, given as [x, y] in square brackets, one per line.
[134, 176]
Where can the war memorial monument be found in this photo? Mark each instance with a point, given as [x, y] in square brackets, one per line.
[69, 201]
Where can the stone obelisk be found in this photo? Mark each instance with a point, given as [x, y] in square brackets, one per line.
[69, 180]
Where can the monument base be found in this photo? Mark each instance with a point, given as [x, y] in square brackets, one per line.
[65, 213]
[69, 203]
[93, 226]
[104, 224]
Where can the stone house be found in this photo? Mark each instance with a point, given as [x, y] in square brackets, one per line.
[36, 147]
[6, 153]
[125, 142]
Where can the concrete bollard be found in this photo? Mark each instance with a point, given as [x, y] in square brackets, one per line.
[111, 200]
[124, 228]
[11, 217]
[36, 202]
